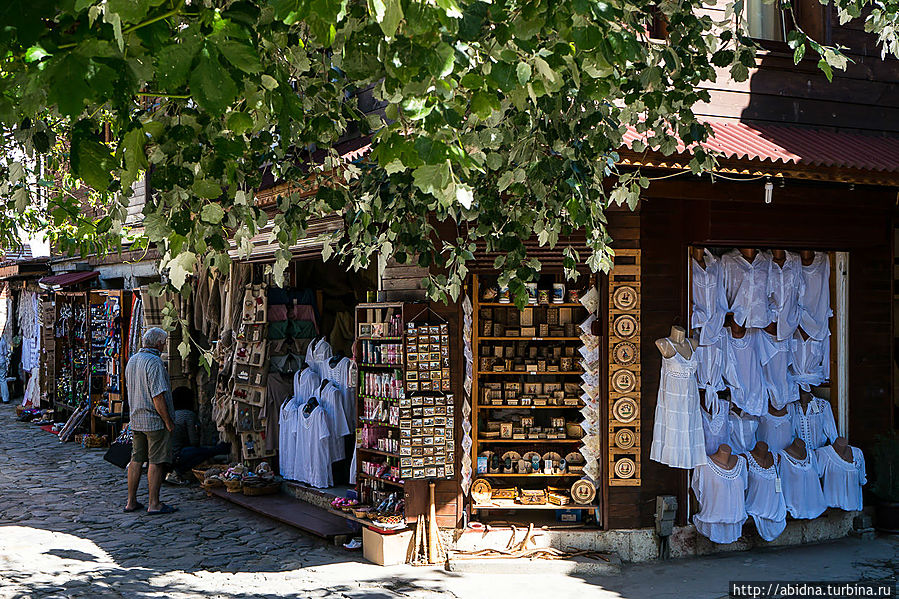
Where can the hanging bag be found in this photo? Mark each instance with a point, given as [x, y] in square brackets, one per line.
[119, 452]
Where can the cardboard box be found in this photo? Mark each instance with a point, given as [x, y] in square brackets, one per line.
[385, 549]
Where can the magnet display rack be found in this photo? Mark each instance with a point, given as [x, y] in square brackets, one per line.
[486, 401]
[624, 369]
[378, 351]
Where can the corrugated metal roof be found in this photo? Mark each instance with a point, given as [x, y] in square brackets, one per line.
[308, 247]
[68, 279]
[786, 144]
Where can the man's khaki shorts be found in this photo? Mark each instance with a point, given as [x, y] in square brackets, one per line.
[151, 446]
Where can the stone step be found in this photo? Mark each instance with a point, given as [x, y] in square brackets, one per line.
[578, 566]
[862, 521]
[867, 534]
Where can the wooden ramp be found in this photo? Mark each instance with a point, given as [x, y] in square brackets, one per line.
[301, 515]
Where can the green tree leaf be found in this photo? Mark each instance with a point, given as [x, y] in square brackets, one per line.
[212, 214]
[211, 85]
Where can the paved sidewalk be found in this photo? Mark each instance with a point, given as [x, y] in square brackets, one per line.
[63, 534]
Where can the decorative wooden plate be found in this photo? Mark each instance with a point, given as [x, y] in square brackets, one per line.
[625, 326]
[625, 468]
[624, 353]
[625, 298]
[624, 381]
[625, 438]
[624, 409]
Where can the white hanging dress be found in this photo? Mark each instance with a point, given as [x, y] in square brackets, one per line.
[783, 289]
[776, 357]
[814, 297]
[742, 431]
[842, 481]
[716, 424]
[721, 496]
[743, 372]
[313, 455]
[764, 501]
[677, 438]
[776, 431]
[709, 302]
[331, 401]
[801, 487]
[814, 425]
[746, 288]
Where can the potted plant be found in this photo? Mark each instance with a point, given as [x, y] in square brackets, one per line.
[886, 482]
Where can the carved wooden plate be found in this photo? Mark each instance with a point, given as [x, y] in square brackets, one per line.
[625, 438]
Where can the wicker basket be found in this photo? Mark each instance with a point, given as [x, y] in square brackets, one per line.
[266, 489]
[200, 474]
[233, 486]
[212, 483]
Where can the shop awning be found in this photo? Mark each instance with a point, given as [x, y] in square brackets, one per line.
[789, 147]
[69, 279]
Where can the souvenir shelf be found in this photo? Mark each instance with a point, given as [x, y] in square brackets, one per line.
[380, 360]
[90, 353]
[526, 396]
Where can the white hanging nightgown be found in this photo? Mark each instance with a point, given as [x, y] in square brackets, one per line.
[742, 431]
[763, 501]
[343, 375]
[709, 302]
[716, 425]
[842, 481]
[815, 425]
[810, 363]
[710, 367]
[783, 289]
[746, 288]
[287, 438]
[317, 354]
[743, 372]
[313, 455]
[776, 431]
[801, 487]
[331, 401]
[775, 358]
[721, 496]
[814, 297]
[677, 438]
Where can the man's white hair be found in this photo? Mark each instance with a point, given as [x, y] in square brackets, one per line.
[154, 337]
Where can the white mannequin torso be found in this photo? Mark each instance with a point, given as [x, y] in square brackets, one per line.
[678, 343]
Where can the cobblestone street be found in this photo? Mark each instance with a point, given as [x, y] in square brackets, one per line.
[63, 534]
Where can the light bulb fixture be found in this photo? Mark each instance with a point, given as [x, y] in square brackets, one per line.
[769, 191]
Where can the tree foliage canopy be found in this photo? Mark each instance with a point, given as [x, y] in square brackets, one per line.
[501, 119]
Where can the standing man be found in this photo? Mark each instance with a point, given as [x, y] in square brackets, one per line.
[150, 401]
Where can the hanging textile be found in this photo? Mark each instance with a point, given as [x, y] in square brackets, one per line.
[466, 397]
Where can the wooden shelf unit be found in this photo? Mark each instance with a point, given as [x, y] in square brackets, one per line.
[479, 343]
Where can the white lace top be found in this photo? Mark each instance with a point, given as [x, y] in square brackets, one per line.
[801, 487]
[842, 481]
[776, 357]
[709, 302]
[746, 288]
[762, 496]
[710, 366]
[721, 496]
[810, 362]
[815, 425]
[776, 431]
[783, 290]
[814, 297]
[743, 372]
